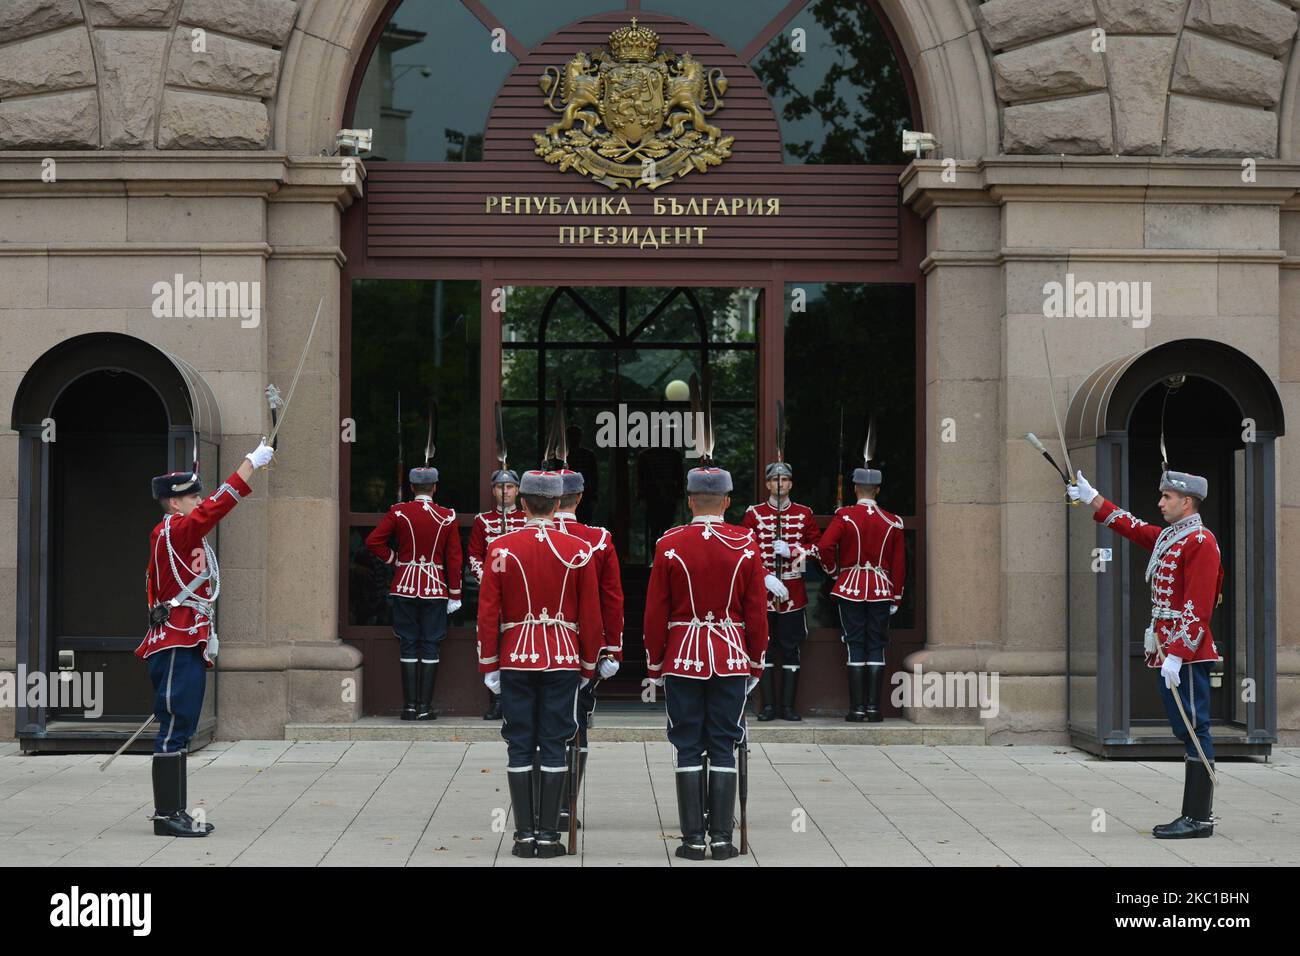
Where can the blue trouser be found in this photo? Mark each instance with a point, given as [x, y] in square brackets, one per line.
[420, 625]
[786, 634]
[705, 716]
[1194, 691]
[538, 716]
[865, 625]
[179, 678]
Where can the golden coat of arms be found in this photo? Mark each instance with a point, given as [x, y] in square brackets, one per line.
[633, 103]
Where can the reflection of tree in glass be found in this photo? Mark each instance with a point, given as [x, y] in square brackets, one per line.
[861, 101]
[393, 348]
[854, 347]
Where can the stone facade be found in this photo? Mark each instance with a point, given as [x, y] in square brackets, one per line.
[1153, 128]
[1229, 63]
[148, 74]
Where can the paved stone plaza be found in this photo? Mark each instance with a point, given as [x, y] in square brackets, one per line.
[433, 803]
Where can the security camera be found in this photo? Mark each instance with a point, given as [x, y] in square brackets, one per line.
[914, 141]
[352, 142]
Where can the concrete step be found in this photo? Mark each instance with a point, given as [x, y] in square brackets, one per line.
[638, 727]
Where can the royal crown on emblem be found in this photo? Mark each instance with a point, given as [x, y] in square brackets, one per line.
[634, 43]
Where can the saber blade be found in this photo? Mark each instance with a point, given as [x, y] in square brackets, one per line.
[302, 360]
[1051, 391]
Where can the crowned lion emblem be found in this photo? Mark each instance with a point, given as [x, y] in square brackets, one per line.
[633, 114]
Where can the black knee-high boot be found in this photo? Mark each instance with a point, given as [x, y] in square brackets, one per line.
[548, 815]
[722, 813]
[690, 813]
[410, 689]
[428, 677]
[1198, 799]
[521, 803]
[170, 818]
[875, 683]
[857, 691]
[767, 693]
[789, 690]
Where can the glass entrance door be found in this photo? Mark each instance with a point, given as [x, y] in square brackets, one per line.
[623, 356]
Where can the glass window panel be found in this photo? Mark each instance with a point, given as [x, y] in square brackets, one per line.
[852, 350]
[842, 100]
[734, 22]
[644, 374]
[429, 85]
[530, 22]
[368, 582]
[420, 338]
[519, 373]
[676, 321]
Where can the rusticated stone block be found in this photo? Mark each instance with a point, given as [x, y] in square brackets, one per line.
[1138, 68]
[131, 13]
[1140, 16]
[1005, 23]
[1212, 68]
[22, 18]
[1263, 24]
[129, 64]
[52, 61]
[1205, 128]
[227, 65]
[62, 121]
[267, 21]
[1079, 125]
[208, 121]
[1053, 67]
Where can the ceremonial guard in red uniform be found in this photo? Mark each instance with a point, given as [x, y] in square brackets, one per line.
[610, 581]
[182, 582]
[1186, 579]
[862, 548]
[487, 528]
[705, 637]
[425, 588]
[539, 636]
[787, 538]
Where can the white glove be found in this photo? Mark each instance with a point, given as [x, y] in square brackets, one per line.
[658, 681]
[779, 590]
[893, 609]
[781, 549]
[493, 681]
[452, 607]
[1080, 490]
[608, 668]
[750, 684]
[260, 455]
[1169, 670]
[584, 682]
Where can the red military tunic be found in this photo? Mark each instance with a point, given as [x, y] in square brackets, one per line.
[706, 609]
[799, 530]
[485, 530]
[428, 552]
[863, 547]
[179, 554]
[608, 577]
[1186, 578]
[539, 604]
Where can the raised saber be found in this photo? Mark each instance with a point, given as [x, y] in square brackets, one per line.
[1033, 440]
[302, 360]
[1051, 391]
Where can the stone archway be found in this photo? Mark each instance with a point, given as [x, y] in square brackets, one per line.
[940, 39]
